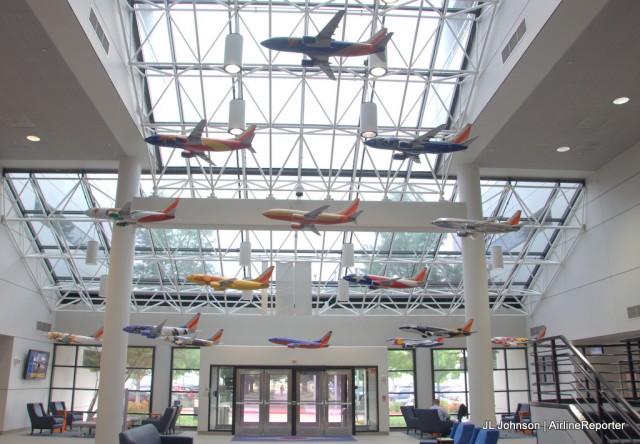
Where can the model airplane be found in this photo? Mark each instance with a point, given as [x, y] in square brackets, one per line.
[413, 148]
[223, 283]
[184, 341]
[375, 282]
[466, 227]
[507, 341]
[416, 343]
[307, 220]
[196, 145]
[155, 331]
[126, 216]
[322, 46]
[301, 343]
[428, 332]
[72, 338]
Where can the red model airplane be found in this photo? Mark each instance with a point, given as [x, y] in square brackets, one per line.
[374, 282]
[307, 220]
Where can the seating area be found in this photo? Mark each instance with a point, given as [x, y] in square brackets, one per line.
[40, 420]
[148, 434]
[164, 422]
[467, 433]
[58, 408]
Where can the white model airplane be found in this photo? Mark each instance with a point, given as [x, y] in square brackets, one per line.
[72, 338]
[416, 343]
[508, 341]
[183, 341]
[303, 343]
[126, 216]
[428, 332]
[156, 331]
[468, 227]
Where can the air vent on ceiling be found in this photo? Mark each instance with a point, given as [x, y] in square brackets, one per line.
[535, 331]
[514, 40]
[97, 27]
[633, 311]
[43, 326]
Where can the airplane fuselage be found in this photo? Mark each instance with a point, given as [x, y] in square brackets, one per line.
[306, 45]
[408, 146]
[507, 341]
[474, 225]
[148, 331]
[414, 343]
[218, 282]
[380, 281]
[299, 217]
[202, 145]
[135, 217]
[297, 343]
[69, 338]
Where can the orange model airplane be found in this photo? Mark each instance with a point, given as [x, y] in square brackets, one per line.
[307, 220]
[223, 283]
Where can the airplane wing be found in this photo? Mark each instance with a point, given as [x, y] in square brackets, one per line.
[388, 281]
[157, 330]
[196, 134]
[428, 135]
[315, 213]
[312, 228]
[204, 157]
[226, 283]
[125, 211]
[323, 39]
[325, 67]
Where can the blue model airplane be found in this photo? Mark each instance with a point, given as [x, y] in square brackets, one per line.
[301, 343]
[412, 148]
[322, 46]
[155, 331]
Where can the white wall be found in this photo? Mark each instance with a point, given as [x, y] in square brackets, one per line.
[22, 306]
[601, 277]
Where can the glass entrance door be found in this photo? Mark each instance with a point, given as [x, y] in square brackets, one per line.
[263, 402]
[324, 405]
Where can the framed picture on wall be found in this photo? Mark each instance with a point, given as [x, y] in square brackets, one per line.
[37, 364]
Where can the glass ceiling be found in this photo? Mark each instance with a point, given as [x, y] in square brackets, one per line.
[307, 133]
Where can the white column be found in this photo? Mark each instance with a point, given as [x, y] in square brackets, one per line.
[476, 300]
[116, 317]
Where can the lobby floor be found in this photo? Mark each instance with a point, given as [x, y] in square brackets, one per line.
[393, 437]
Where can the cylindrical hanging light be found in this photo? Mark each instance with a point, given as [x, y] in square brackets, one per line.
[343, 291]
[236, 116]
[347, 258]
[496, 257]
[245, 254]
[233, 53]
[378, 64]
[103, 286]
[368, 119]
[92, 253]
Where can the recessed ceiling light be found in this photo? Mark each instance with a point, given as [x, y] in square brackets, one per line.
[563, 149]
[621, 100]
[33, 138]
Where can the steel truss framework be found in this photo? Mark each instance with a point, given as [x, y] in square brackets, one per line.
[43, 214]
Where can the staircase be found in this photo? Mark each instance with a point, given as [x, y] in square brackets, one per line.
[562, 376]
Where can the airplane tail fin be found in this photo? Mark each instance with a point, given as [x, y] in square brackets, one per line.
[216, 337]
[421, 276]
[171, 209]
[247, 136]
[265, 276]
[351, 209]
[515, 219]
[98, 334]
[542, 333]
[467, 326]
[193, 322]
[440, 340]
[325, 339]
[355, 215]
[380, 38]
[463, 134]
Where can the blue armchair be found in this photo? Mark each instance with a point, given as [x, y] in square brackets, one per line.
[40, 419]
[162, 423]
[148, 434]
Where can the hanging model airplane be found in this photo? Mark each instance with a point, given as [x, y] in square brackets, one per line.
[375, 282]
[307, 220]
[416, 343]
[223, 283]
[507, 341]
[467, 227]
[155, 331]
[72, 338]
[301, 343]
[184, 341]
[196, 145]
[428, 332]
[413, 148]
[322, 46]
[126, 216]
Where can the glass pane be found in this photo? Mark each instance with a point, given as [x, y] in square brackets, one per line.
[499, 380]
[64, 355]
[85, 400]
[139, 402]
[62, 395]
[518, 380]
[517, 358]
[140, 357]
[87, 378]
[185, 358]
[498, 359]
[89, 356]
[502, 405]
[448, 359]
[62, 377]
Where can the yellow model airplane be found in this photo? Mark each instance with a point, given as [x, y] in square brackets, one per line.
[223, 283]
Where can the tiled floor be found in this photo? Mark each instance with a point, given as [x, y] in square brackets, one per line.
[392, 438]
